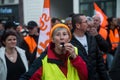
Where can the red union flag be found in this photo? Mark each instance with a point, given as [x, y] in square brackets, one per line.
[103, 17]
[45, 26]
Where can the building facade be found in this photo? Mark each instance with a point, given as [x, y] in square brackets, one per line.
[9, 10]
[23, 11]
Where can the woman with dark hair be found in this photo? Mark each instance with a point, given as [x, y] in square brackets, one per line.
[13, 62]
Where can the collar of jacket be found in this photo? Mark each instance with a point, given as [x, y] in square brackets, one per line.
[53, 58]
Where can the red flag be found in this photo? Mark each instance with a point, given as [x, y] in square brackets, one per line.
[103, 17]
[45, 26]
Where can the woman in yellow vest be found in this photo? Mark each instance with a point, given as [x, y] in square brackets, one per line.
[59, 61]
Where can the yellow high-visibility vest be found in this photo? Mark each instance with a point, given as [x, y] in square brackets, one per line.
[52, 72]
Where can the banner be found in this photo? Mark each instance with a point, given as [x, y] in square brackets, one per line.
[103, 17]
[45, 26]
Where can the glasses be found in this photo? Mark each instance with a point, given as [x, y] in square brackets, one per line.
[84, 21]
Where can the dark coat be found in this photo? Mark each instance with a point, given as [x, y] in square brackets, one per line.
[102, 43]
[115, 69]
[93, 59]
[30, 56]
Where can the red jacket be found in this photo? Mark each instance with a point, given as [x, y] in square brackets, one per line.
[61, 61]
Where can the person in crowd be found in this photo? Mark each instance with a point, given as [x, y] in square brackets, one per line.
[54, 21]
[115, 68]
[13, 62]
[68, 22]
[2, 28]
[100, 35]
[88, 48]
[97, 32]
[71, 14]
[10, 25]
[29, 44]
[24, 31]
[19, 28]
[102, 31]
[60, 61]
[20, 37]
[113, 38]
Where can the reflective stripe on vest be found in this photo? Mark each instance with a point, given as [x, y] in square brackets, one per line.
[52, 72]
[31, 43]
[114, 38]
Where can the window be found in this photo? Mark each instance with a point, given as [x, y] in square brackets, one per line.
[11, 1]
[1, 2]
[84, 8]
[108, 6]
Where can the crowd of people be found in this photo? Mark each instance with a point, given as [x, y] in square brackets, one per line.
[80, 49]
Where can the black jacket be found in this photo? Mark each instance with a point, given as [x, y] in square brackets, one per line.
[102, 43]
[30, 56]
[34, 67]
[115, 68]
[94, 60]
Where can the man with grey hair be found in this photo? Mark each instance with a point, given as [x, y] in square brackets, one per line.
[100, 30]
[68, 22]
[93, 30]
